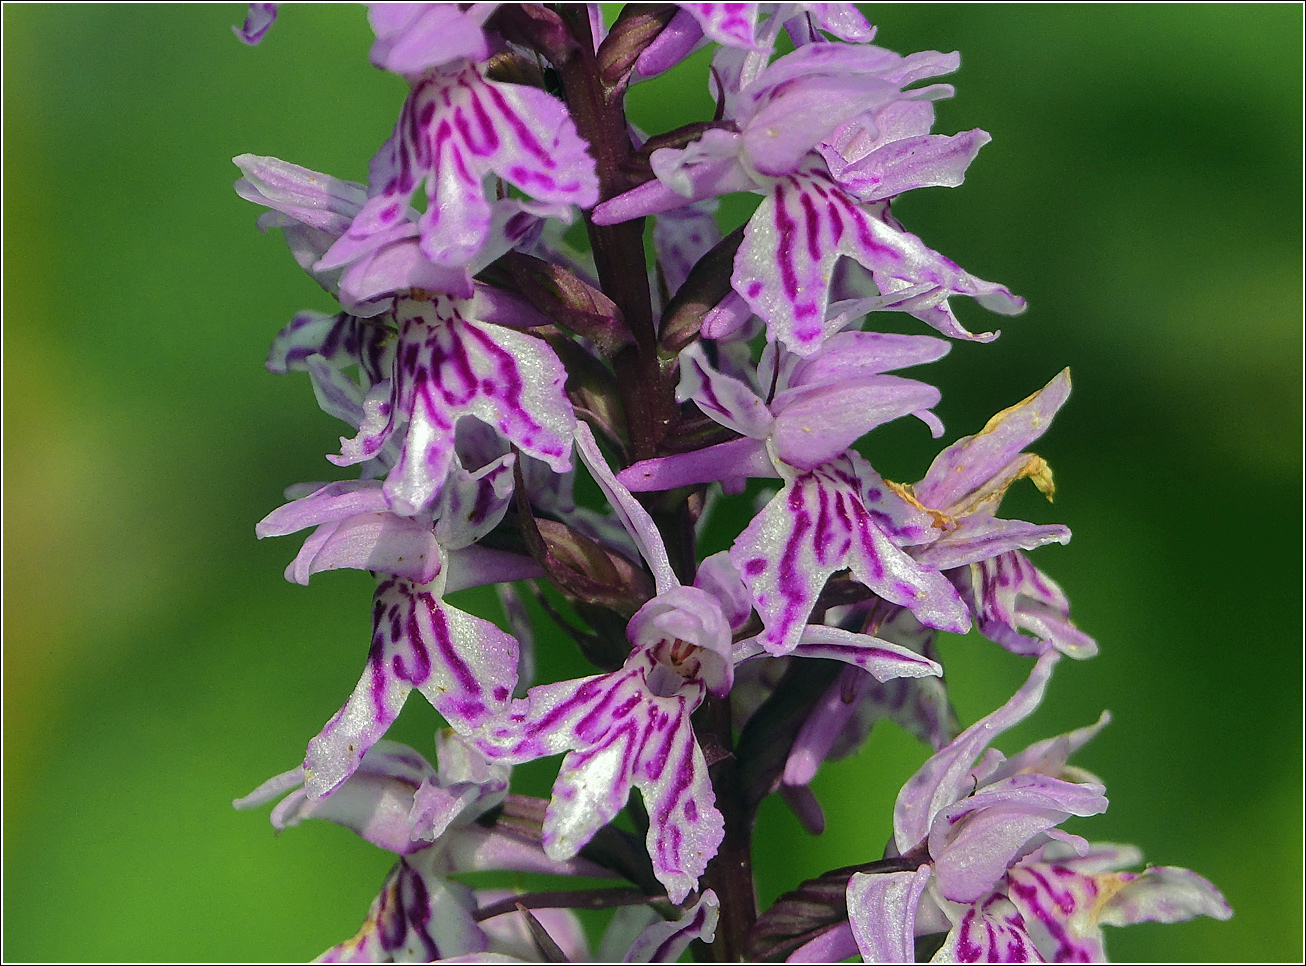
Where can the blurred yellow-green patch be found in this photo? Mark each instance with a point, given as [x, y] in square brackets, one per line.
[1142, 190]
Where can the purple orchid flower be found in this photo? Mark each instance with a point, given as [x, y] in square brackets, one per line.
[398, 802]
[450, 362]
[1051, 908]
[1065, 898]
[465, 666]
[980, 552]
[809, 218]
[455, 355]
[946, 805]
[971, 814]
[632, 726]
[627, 728]
[834, 511]
[455, 129]
[975, 549]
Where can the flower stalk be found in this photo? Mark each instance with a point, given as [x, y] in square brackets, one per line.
[481, 362]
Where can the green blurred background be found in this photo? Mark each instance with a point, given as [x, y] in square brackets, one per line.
[1142, 190]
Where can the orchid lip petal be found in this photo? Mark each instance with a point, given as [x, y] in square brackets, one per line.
[455, 129]
[448, 365]
[626, 729]
[465, 666]
[823, 521]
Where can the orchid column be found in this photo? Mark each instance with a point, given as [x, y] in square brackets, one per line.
[478, 358]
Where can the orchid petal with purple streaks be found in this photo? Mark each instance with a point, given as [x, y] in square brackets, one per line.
[663, 942]
[314, 341]
[820, 523]
[455, 128]
[466, 667]
[991, 932]
[448, 366]
[785, 265]
[627, 728]
[1009, 596]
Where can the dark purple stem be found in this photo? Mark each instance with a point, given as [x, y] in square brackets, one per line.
[730, 873]
[600, 116]
[648, 395]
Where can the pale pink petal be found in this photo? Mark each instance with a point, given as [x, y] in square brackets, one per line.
[882, 910]
[466, 667]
